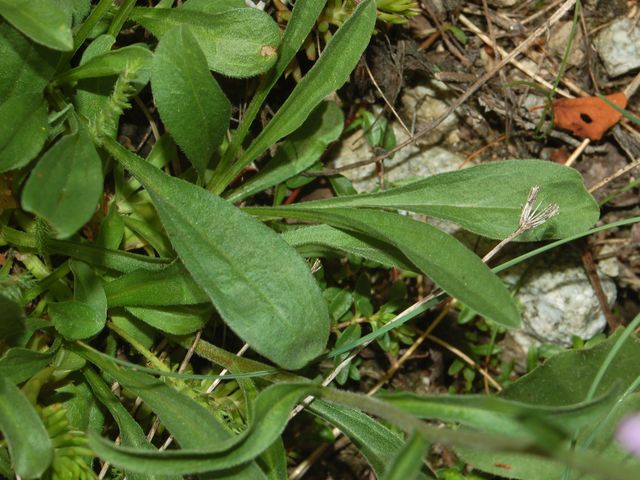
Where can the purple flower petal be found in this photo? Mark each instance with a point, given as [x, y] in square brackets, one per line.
[628, 434]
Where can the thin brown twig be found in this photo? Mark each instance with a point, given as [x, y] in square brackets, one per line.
[386, 101]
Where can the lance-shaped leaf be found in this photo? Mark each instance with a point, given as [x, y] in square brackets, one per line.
[29, 443]
[192, 105]
[241, 42]
[488, 199]
[453, 267]
[299, 152]
[270, 300]
[192, 425]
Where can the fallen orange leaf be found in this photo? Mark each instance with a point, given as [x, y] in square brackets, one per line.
[588, 117]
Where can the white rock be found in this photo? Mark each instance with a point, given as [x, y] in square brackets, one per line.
[558, 302]
[619, 46]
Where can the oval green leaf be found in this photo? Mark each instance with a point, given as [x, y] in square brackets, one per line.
[65, 186]
[29, 443]
[239, 43]
[271, 301]
[192, 105]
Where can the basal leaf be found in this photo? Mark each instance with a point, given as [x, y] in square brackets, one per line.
[12, 319]
[329, 73]
[321, 240]
[19, 364]
[88, 288]
[298, 152]
[240, 42]
[45, 22]
[453, 267]
[303, 18]
[170, 286]
[561, 381]
[75, 320]
[192, 105]
[213, 6]
[66, 184]
[131, 433]
[271, 301]
[117, 260]
[24, 129]
[487, 199]
[28, 440]
[25, 67]
[192, 425]
[181, 320]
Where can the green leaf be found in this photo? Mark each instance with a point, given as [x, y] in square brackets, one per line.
[407, 464]
[86, 314]
[563, 380]
[24, 131]
[453, 267]
[239, 43]
[192, 105]
[271, 301]
[303, 19]
[29, 443]
[299, 152]
[213, 6]
[375, 441]
[43, 21]
[487, 199]
[25, 67]
[19, 364]
[170, 286]
[181, 320]
[12, 319]
[88, 288]
[117, 260]
[75, 320]
[493, 414]
[131, 433]
[65, 186]
[328, 74]
[133, 57]
[192, 425]
[320, 240]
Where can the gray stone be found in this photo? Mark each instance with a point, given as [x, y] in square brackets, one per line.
[558, 302]
[619, 46]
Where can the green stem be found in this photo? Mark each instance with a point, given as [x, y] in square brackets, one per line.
[121, 17]
[46, 283]
[85, 29]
